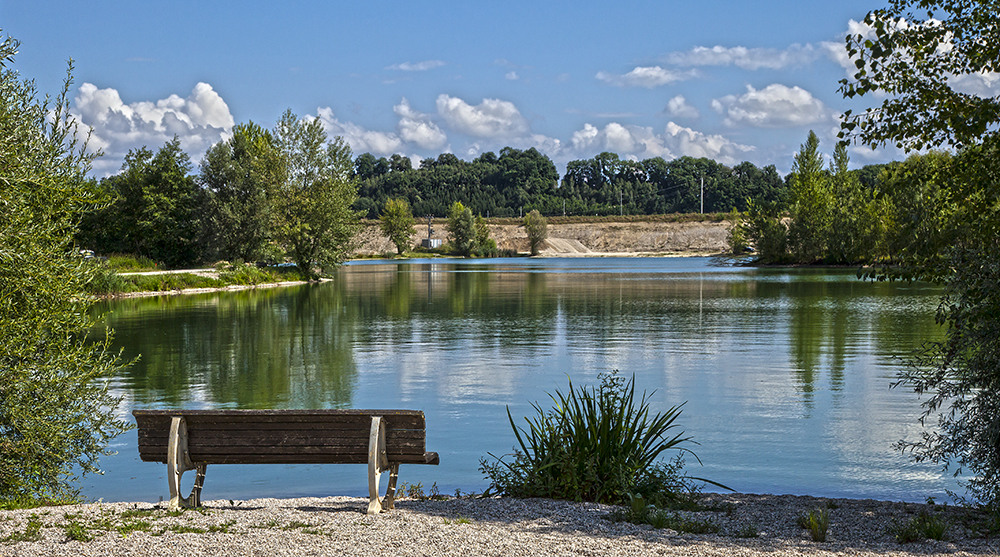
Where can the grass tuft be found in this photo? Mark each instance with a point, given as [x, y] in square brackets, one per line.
[817, 522]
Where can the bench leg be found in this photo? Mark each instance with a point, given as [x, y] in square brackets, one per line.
[377, 463]
[178, 462]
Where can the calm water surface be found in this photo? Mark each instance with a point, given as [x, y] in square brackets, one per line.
[785, 372]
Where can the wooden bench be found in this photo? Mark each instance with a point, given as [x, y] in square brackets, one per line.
[192, 439]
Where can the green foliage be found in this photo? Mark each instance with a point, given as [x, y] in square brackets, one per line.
[638, 510]
[596, 444]
[314, 220]
[924, 526]
[130, 263]
[56, 416]
[860, 218]
[766, 231]
[811, 204]
[919, 52]
[736, 238]
[537, 229]
[817, 521]
[461, 229]
[396, 222]
[157, 209]
[243, 175]
[32, 532]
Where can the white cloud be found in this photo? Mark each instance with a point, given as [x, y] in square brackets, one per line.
[360, 139]
[743, 57]
[638, 142]
[511, 76]
[775, 106]
[417, 128]
[648, 77]
[692, 143]
[678, 107]
[417, 67]
[984, 85]
[199, 120]
[492, 118]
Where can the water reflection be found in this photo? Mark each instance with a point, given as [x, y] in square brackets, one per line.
[784, 372]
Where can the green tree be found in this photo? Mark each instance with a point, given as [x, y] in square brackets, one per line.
[811, 204]
[314, 222]
[56, 416]
[485, 246]
[860, 218]
[158, 209]
[736, 239]
[766, 231]
[396, 222]
[920, 54]
[537, 229]
[461, 229]
[242, 176]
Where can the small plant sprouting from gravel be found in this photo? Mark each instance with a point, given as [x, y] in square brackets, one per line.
[639, 512]
[32, 532]
[817, 522]
[921, 527]
[748, 531]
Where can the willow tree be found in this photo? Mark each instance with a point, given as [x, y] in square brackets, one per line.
[56, 415]
[929, 61]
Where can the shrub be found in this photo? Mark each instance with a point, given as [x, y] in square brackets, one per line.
[595, 444]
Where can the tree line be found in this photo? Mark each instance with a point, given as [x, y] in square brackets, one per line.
[293, 193]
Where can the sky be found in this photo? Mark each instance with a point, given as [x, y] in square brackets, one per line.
[731, 81]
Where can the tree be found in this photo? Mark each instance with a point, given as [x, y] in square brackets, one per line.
[315, 222]
[396, 222]
[860, 218]
[56, 416]
[242, 176]
[811, 203]
[461, 229]
[157, 210]
[923, 54]
[537, 229]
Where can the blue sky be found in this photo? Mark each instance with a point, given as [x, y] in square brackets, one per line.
[732, 81]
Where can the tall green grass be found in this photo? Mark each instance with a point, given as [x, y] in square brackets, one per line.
[595, 444]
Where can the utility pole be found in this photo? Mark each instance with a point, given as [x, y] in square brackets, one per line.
[703, 194]
[620, 210]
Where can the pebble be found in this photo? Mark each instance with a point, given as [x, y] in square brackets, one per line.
[477, 526]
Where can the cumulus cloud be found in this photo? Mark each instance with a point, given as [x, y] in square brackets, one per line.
[417, 66]
[693, 143]
[648, 77]
[492, 118]
[198, 120]
[775, 106]
[678, 107]
[417, 128]
[743, 57]
[360, 139]
[642, 142]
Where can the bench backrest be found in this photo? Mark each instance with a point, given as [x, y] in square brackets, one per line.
[283, 436]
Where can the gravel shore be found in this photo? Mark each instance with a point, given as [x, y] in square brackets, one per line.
[338, 526]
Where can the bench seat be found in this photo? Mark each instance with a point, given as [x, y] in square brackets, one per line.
[192, 439]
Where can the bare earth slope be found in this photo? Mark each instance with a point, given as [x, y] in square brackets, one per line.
[590, 239]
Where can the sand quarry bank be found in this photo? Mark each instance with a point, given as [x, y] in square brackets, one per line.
[582, 238]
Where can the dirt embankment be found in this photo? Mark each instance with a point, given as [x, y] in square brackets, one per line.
[594, 239]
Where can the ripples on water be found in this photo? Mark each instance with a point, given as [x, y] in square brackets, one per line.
[784, 372]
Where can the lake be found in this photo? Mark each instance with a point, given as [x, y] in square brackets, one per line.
[784, 373]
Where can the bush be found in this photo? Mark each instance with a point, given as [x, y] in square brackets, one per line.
[593, 445]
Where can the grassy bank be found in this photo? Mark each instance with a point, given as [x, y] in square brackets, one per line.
[108, 281]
